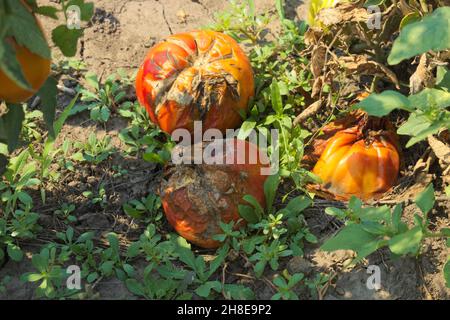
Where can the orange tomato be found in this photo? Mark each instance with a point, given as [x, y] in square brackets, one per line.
[197, 198]
[199, 75]
[35, 68]
[359, 161]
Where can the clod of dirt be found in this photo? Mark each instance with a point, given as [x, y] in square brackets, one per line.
[299, 265]
[104, 22]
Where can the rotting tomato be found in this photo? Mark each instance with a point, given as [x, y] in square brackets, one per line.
[196, 198]
[35, 68]
[200, 75]
[360, 158]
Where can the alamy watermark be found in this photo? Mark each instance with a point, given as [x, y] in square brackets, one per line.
[374, 20]
[73, 282]
[212, 147]
[73, 14]
[374, 280]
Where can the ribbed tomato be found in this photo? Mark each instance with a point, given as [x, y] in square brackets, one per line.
[196, 198]
[361, 161]
[200, 75]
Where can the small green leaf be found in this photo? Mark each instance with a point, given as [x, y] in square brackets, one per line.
[443, 78]
[445, 232]
[248, 213]
[430, 97]
[432, 33]
[14, 252]
[131, 211]
[407, 242]
[246, 129]
[47, 11]
[446, 272]
[48, 93]
[374, 213]
[370, 3]
[205, 289]
[353, 237]
[277, 102]
[185, 254]
[86, 8]
[11, 126]
[135, 287]
[425, 200]
[107, 267]
[421, 135]
[66, 39]
[415, 123]
[396, 217]
[335, 212]
[238, 292]
[382, 104]
[31, 277]
[298, 204]
[409, 18]
[270, 190]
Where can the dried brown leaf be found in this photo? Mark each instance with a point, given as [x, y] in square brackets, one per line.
[317, 87]
[342, 13]
[359, 64]
[308, 112]
[318, 57]
[440, 149]
[422, 77]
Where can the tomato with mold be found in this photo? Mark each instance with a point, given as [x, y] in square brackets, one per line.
[196, 198]
[196, 76]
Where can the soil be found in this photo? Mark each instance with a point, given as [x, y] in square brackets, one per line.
[119, 36]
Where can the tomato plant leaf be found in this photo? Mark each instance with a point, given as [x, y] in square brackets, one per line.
[86, 8]
[66, 39]
[430, 97]
[431, 33]
[47, 11]
[443, 78]
[425, 200]
[382, 104]
[421, 135]
[409, 18]
[415, 123]
[24, 28]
